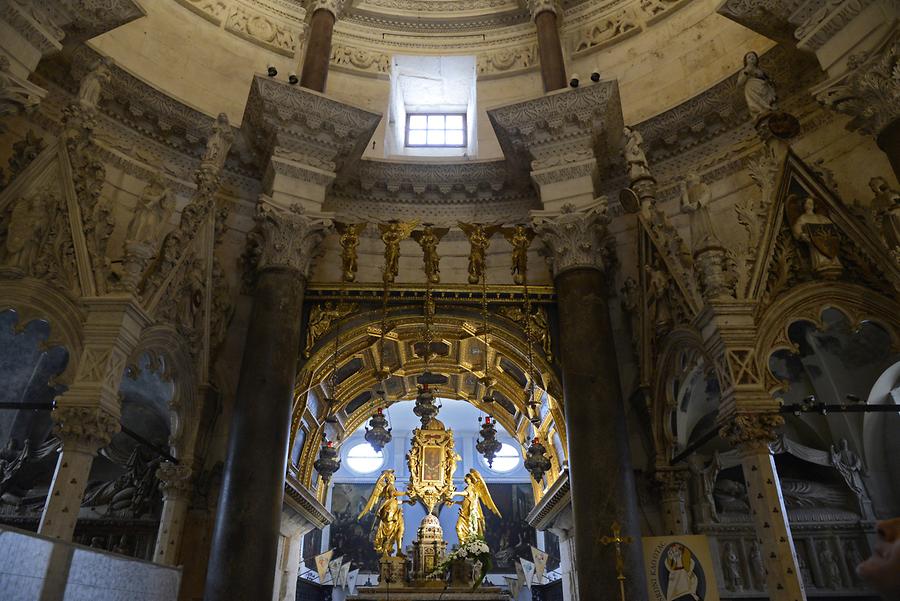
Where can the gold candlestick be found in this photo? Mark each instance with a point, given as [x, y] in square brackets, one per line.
[616, 540]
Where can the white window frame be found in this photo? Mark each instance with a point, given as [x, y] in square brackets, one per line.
[465, 129]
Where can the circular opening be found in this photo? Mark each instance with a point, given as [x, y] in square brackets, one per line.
[363, 459]
[506, 459]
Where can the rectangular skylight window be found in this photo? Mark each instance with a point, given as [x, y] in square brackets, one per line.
[445, 130]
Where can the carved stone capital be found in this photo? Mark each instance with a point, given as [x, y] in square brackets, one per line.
[752, 432]
[574, 239]
[536, 7]
[673, 481]
[285, 238]
[870, 92]
[335, 7]
[84, 429]
[175, 481]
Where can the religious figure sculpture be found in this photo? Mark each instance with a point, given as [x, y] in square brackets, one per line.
[218, 144]
[757, 566]
[392, 233]
[849, 465]
[428, 238]
[132, 493]
[520, 238]
[705, 476]
[658, 298]
[320, 319]
[388, 526]
[470, 523]
[695, 198]
[759, 91]
[91, 87]
[638, 167]
[154, 209]
[349, 233]
[683, 581]
[480, 239]
[830, 567]
[731, 566]
[27, 226]
[853, 558]
[819, 233]
[886, 206]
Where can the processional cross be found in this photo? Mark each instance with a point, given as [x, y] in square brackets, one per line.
[616, 540]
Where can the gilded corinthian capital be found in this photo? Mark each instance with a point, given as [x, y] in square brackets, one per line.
[284, 238]
[574, 238]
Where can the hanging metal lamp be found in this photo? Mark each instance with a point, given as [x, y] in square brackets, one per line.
[488, 445]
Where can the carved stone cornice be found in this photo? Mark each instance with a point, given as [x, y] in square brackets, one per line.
[775, 19]
[556, 498]
[302, 502]
[175, 481]
[574, 239]
[285, 238]
[870, 92]
[310, 128]
[824, 24]
[85, 19]
[561, 123]
[84, 429]
[34, 23]
[564, 167]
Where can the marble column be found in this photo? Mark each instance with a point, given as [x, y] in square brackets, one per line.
[602, 479]
[673, 485]
[751, 434]
[88, 413]
[245, 540]
[175, 483]
[553, 67]
[318, 45]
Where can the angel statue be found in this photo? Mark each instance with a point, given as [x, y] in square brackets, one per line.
[392, 233]
[428, 238]
[519, 237]
[480, 239]
[388, 525]
[471, 517]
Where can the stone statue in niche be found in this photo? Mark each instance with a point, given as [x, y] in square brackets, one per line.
[759, 91]
[757, 566]
[658, 298]
[850, 466]
[705, 478]
[218, 144]
[818, 231]
[695, 198]
[153, 210]
[805, 573]
[731, 567]
[831, 571]
[886, 207]
[27, 226]
[853, 558]
[638, 168]
[91, 87]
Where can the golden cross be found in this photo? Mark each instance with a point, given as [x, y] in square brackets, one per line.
[616, 540]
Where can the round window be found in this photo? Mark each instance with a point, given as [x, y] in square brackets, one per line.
[363, 459]
[506, 459]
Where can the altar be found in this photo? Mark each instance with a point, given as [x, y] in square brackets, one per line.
[430, 593]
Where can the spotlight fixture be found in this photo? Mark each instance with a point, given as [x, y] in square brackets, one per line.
[271, 70]
[595, 76]
[380, 435]
[329, 460]
[536, 462]
[573, 80]
[293, 79]
[488, 446]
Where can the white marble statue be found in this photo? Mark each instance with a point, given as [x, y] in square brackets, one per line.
[634, 155]
[850, 466]
[695, 198]
[218, 143]
[759, 91]
[154, 209]
[731, 567]
[91, 87]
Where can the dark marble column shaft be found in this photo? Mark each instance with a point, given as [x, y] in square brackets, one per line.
[318, 51]
[889, 142]
[553, 69]
[245, 539]
[602, 478]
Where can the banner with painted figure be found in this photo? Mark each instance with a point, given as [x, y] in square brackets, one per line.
[680, 568]
[322, 562]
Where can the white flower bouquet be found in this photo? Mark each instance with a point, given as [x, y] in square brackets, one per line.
[475, 550]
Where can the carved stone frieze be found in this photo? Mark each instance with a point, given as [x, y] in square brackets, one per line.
[264, 30]
[776, 19]
[33, 22]
[575, 239]
[605, 30]
[285, 238]
[509, 59]
[361, 59]
[827, 21]
[85, 19]
[211, 10]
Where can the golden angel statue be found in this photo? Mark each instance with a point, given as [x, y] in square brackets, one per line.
[519, 238]
[428, 238]
[388, 525]
[480, 239]
[392, 233]
[349, 240]
[470, 523]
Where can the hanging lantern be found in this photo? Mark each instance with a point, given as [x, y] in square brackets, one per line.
[329, 460]
[379, 435]
[536, 462]
[425, 409]
[488, 446]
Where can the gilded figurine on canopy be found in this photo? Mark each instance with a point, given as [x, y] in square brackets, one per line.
[388, 527]
[470, 523]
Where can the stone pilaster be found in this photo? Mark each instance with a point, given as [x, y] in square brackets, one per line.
[751, 434]
[88, 412]
[176, 485]
[595, 413]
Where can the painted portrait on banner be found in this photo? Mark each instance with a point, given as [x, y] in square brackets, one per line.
[679, 568]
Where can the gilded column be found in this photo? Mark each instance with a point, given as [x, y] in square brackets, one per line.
[175, 483]
[576, 243]
[88, 413]
[318, 45]
[751, 434]
[553, 68]
[243, 557]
